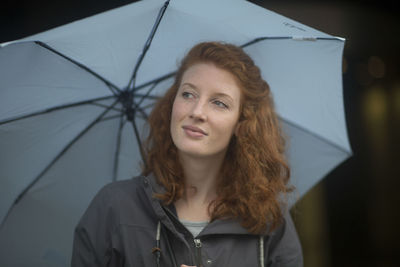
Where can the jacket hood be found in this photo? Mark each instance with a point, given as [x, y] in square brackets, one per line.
[220, 226]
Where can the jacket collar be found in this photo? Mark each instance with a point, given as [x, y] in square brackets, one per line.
[220, 226]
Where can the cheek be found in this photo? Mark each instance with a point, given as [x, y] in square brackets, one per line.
[226, 127]
[178, 110]
[177, 113]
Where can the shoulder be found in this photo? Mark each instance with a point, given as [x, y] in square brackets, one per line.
[113, 198]
[284, 243]
[120, 188]
[100, 223]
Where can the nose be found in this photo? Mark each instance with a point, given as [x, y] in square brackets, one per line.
[198, 111]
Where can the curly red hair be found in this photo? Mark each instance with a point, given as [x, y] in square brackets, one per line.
[254, 176]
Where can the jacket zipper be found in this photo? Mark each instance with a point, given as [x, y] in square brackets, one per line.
[197, 245]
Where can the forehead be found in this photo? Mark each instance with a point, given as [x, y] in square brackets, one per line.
[207, 76]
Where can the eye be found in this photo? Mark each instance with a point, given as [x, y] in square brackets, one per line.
[187, 95]
[220, 104]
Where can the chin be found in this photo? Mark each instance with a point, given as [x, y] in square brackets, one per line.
[194, 152]
[200, 152]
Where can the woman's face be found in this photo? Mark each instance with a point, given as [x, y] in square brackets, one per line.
[205, 111]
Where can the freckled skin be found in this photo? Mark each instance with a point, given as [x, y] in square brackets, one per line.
[205, 111]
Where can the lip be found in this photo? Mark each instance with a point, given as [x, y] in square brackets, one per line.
[194, 131]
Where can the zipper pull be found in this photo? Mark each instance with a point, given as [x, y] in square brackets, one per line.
[197, 244]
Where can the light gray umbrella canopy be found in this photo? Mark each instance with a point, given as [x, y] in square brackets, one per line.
[63, 132]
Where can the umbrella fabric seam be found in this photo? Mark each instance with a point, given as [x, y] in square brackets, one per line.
[51, 109]
[82, 66]
[316, 136]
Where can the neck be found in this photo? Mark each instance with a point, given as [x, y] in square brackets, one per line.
[201, 174]
[201, 177]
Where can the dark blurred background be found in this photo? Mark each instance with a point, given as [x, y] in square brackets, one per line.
[351, 218]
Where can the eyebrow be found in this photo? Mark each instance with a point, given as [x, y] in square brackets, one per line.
[190, 85]
[217, 94]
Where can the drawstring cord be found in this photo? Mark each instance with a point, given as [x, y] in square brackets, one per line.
[261, 251]
[156, 250]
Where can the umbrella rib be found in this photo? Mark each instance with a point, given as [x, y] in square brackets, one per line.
[148, 106]
[144, 115]
[63, 151]
[105, 106]
[111, 117]
[138, 141]
[148, 96]
[259, 39]
[143, 112]
[90, 101]
[113, 88]
[143, 97]
[117, 150]
[315, 135]
[157, 80]
[146, 47]
[20, 196]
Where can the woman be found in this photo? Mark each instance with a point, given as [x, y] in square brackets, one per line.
[214, 183]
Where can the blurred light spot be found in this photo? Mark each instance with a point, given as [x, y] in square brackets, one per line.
[375, 111]
[362, 75]
[375, 106]
[376, 67]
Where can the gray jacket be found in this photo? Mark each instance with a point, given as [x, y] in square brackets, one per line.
[121, 228]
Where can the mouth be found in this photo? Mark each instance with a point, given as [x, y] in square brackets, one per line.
[194, 131]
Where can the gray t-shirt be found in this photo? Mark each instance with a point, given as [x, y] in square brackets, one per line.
[194, 227]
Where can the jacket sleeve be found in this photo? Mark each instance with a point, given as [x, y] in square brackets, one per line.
[285, 247]
[93, 234]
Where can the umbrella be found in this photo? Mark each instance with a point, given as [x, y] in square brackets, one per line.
[74, 101]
